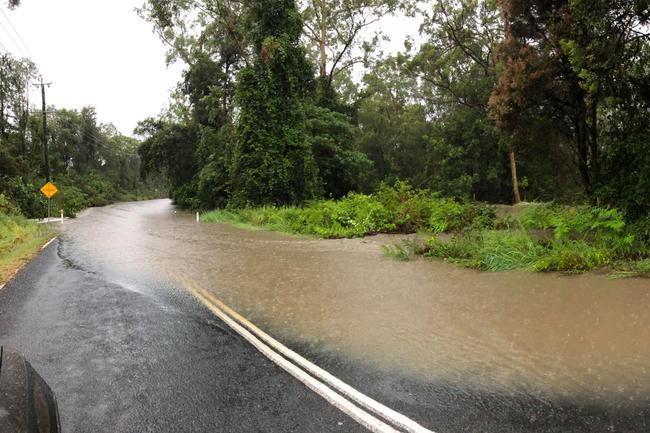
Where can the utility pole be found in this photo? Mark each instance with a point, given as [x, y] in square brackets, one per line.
[46, 155]
[24, 121]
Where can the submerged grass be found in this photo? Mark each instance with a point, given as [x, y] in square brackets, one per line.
[546, 237]
[404, 251]
[20, 239]
[639, 268]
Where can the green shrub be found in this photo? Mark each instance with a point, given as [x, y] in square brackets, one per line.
[26, 196]
[536, 216]
[450, 216]
[392, 209]
[353, 215]
[446, 215]
[503, 250]
[643, 267]
[572, 256]
[404, 251]
[640, 230]
[71, 199]
[583, 237]
[7, 207]
[460, 248]
[184, 196]
[408, 209]
[99, 192]
[413, 210]
[489, 250]
[573, 221]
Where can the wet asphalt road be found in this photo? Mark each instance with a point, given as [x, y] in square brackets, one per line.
[127, 355]
[122, 361]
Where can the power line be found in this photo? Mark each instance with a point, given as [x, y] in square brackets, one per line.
[13, 40]
[16, 31]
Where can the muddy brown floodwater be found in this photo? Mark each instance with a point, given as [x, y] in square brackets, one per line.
[547, 335]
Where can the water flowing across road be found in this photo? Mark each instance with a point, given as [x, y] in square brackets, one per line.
[584, 338]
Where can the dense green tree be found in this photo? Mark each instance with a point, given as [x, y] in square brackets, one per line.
[208, 36]
[570, 61]
[393, 124]
[169, 147]
[501, 101]
[342, 167]
[15, 76]
[456, 67]
[273, 162]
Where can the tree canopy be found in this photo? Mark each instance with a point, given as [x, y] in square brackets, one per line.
[91, 163]
[497, 101]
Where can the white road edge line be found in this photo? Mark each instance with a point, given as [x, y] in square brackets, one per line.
[48, 243]
[359, 415]
[394, 417]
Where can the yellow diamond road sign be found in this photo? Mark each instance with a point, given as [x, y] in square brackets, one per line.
[49, 190]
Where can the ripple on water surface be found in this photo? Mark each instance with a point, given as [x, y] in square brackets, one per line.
[515, 333]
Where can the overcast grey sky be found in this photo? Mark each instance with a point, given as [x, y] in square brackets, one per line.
[97, 53]
[100, 53]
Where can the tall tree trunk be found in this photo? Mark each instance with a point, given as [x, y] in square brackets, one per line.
[511, 151]
[23, 137]
[322, 61]
[513, 174]
[2, 116]
[593, 135]
[24, 120]
[583, 151]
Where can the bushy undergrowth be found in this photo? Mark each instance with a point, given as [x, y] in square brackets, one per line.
[75, 194]
[393, 209]
[543, 237]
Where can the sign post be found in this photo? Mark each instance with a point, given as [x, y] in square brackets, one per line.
[48, 191]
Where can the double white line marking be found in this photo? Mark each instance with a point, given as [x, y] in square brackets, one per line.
[338, 393]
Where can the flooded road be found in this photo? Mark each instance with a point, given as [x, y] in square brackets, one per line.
[543, 336]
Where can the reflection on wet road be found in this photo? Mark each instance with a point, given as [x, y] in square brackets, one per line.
[552, 337]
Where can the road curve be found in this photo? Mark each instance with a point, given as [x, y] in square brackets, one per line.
[122, 361]
[104, 315]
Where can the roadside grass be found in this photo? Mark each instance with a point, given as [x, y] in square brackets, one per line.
[20, 240]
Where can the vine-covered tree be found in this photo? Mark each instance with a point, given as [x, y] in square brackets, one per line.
[273, 162]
